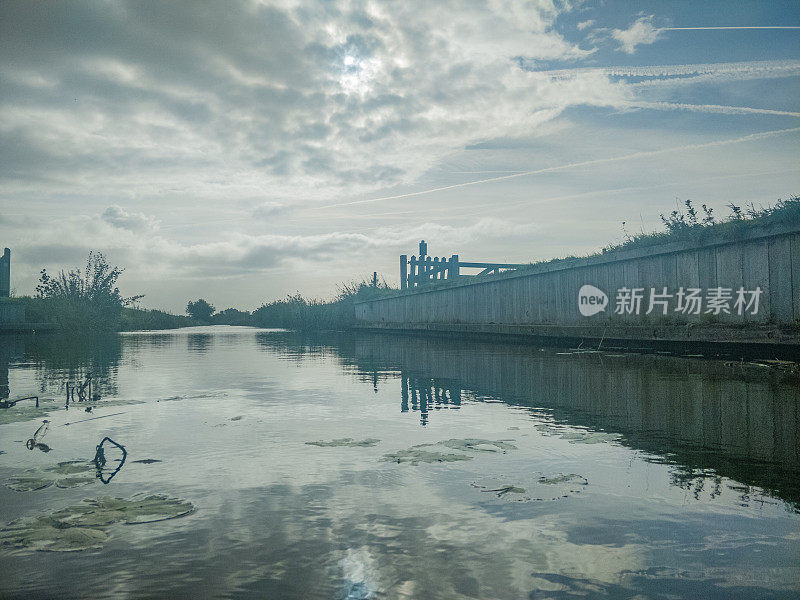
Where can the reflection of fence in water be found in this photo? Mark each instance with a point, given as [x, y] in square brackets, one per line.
[424, 394]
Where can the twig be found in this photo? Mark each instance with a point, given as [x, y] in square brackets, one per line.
[93, 419]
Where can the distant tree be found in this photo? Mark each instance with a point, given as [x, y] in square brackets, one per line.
[200, 310]
[232, 316]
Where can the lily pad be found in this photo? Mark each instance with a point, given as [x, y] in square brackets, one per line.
[345, 442]
[508, 489]
[84, 526]
[46, 534]
[571, 478]
[136, 510]
[72, 482]
[578, 436]
[477, 445]
[589, 437]
[28, 484]
[415, 456]
[71, 467]
[536, 487]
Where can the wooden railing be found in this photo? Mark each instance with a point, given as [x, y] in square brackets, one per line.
[425, 270]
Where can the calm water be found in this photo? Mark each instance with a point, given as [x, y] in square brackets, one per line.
[613, 475]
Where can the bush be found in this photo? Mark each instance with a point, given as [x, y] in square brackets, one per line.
[81, 302]
[137, 319]
[295, 312]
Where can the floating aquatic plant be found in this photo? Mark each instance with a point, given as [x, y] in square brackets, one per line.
[28, 484]
[535, 488]
[72, 482]
[84, 526]
[20, 413]
[46, 534]
[476, 445]
[345, 442]
[589, 437]
[138, 509]
[71, 467]
[572, 477]
[415, 456]
[67, 474]
[578, 436]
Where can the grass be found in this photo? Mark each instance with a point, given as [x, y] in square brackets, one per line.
[686, 225]
[296, 312]
[85, 317]
[139, 319]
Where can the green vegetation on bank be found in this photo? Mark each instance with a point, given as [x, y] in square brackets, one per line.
[686, 224]
[142, 319]
[88, 301]
[296, 312]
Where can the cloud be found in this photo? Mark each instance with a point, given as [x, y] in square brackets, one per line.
[147, 253]
[642, 32]
[135, 222]
[597, 161]
[585, 24]
[267, 210]
[713, 108]
[230, 99]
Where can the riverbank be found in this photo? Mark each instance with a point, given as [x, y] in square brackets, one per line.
[30, 314]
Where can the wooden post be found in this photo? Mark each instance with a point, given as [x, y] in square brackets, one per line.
[435, 268]
[412, 277]
[374, 279]
[403, 271]
[5, 273]
[454, 270]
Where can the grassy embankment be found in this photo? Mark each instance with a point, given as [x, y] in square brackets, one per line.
[687, 226]
[86, 317]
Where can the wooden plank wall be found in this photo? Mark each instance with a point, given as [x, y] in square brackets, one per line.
[551, 297]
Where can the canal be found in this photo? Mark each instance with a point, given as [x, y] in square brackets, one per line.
[270, 464]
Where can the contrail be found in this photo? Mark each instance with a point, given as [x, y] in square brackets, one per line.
[744, 27]
[598, 161]
[712, 108]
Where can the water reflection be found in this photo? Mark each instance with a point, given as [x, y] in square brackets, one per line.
[427, 394]
[668, 455]
[706, 418]
[60, 360]
[11, 350]
[106, 473]
[199, 343]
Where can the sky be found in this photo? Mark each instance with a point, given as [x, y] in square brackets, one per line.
[241, 151]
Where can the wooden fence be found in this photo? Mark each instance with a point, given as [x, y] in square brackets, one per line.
[425, 270]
